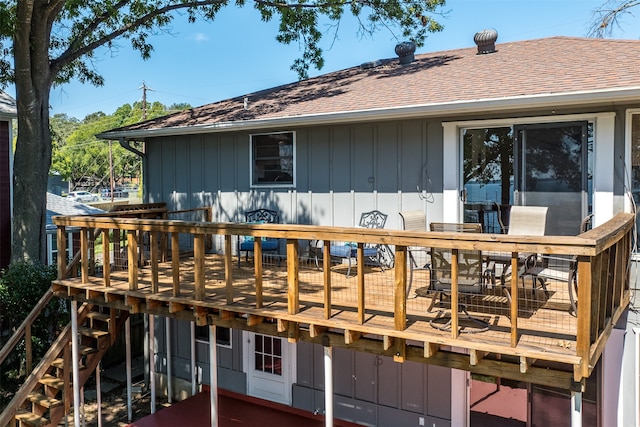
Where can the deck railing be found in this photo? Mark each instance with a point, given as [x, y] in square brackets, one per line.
[602, 255]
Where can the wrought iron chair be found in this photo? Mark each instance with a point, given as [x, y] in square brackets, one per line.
[418, 255]
[375, 254]
[471, 279]
[269, 244]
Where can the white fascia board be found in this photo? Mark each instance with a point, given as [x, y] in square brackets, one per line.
[584, 98]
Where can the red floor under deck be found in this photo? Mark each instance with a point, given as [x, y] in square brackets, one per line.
[490, 408]
[235, 410]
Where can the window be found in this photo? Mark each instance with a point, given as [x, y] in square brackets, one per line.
[268, 354]
[272, 159]
[223, 335]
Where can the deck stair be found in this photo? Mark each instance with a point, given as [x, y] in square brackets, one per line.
[46, 396]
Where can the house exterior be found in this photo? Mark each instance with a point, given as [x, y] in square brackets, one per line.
[553, 122]
[8, 113]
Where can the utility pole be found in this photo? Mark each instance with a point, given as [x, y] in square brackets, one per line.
[144, 88]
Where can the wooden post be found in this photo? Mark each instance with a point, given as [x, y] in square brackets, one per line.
[326, 264]
[175, 262]
[132, 251]
[400, 289]
[154, 259]
[62, 252]
[258, 269]
[27, 348]
[198, 260]
[293, 294]
[92, 252]
[360, 261]
[228, 268]
[84, 254]
[583, 337]
[106, 257]
[454, 294]
[514, 299]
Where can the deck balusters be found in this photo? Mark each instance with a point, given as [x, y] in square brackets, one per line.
[258, 269]
[154, 259]
[106, 257]
[175, 262]
[326, 264]
[514, 299]
[198, 260]
[84, 257]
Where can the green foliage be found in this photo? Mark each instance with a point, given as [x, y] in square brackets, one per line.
[82, 158]
[21, 287]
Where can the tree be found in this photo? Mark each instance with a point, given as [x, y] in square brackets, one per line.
[83, 160]
[607, 18]
[53, 41]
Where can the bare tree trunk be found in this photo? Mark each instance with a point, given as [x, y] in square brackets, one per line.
[33, 148]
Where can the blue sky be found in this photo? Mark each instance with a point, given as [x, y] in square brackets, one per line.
[237, 54]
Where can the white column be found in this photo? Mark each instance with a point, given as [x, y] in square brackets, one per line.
[604, 164]
[99, 394]
[194, 374]
[576, 409]
[328, 386]
[451, 204]
[169, 370]
[127, 350]
[152, 362]
[213, 375]
[75, 359]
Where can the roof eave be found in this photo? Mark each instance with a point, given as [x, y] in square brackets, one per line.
[584, 98]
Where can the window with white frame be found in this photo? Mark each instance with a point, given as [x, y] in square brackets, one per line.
[273, 159]
[223, 335]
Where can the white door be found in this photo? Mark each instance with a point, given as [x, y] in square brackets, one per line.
[270, 367]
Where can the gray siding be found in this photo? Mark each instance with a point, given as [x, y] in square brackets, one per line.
[341, 172]
[374, 390]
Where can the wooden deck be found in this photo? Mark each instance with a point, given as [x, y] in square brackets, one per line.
[535, 336]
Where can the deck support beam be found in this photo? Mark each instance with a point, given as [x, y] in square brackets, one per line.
[127, 351]
[194, 376]
[576, 409]
[75, 357]
[152, 363]
[328, 382]
[213, 374]
[169, 369]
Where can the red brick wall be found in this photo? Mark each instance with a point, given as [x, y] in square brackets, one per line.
[5, 196]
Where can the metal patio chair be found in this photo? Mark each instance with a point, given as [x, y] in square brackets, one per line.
[373, 253]
[471, 279]
[269, 244]
[418, 255]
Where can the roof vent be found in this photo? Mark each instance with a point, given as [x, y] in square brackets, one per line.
[370, 64]
[486, 41]
[405, 51]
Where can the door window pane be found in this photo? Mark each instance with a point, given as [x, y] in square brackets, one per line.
[488, 176]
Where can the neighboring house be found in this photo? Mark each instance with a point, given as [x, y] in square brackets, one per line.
[553, 122]
[8, 113]
[57, 205]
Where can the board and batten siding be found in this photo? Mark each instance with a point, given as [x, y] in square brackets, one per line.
[341, 172]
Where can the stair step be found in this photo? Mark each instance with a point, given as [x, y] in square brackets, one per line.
[51, 381]
[93, 333]
[44, 401]
[96, 315]
[59, 363]
[84, 349]
[31, 419]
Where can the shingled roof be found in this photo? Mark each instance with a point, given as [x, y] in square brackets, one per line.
[7, 105]
[552, 71]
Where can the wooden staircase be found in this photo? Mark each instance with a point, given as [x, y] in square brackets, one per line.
[47, 394]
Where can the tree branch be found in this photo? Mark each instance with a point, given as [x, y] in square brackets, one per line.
[73, 53]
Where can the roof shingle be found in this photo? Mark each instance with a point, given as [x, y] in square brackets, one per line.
[557, 65]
